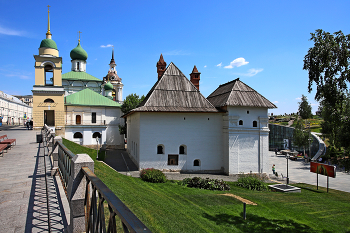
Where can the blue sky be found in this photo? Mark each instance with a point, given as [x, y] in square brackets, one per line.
[262, 42]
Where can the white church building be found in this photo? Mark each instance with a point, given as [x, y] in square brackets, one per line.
[176, 128]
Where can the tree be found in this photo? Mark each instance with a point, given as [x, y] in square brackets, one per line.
[328, 63]
[130, 102]
[300, 136]
[304, 108]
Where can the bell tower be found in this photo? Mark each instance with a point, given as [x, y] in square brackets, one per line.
[48, 93]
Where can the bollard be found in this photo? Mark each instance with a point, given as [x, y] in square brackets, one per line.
[244, 211]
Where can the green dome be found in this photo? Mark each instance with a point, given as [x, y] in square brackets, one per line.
[78, 53]
[108, 86]
[48, 43]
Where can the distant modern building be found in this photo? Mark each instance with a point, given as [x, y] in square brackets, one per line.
[177, 128]
[72, 103]
[13, 111]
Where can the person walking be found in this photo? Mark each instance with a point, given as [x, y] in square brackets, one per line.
[273, 168]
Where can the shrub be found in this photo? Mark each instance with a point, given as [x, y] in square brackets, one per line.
[252, 182]
[152, 175]
[211, 184]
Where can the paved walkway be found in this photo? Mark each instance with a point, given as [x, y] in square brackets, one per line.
[299, 172]
[23, 202]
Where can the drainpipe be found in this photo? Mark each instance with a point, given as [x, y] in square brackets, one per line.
[259, 158]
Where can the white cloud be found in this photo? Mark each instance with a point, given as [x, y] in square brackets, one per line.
[275, 102]
[298, 98]
[10, 32]
[219, 65]
[205, 66]
[250, 73]
[237, 63]
[176, 53]
[253, 72]
[106, 46]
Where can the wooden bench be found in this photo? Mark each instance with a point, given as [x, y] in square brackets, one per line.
[3, 147]
[5, 140]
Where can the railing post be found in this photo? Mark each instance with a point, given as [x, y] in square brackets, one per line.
[76, 191]
[54, 155]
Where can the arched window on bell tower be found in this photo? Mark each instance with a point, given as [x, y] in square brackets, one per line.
[48, 75]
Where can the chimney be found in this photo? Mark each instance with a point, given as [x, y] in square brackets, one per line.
[161, 65]
[195, 77]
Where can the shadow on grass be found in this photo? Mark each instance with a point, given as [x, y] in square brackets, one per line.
[255, 223]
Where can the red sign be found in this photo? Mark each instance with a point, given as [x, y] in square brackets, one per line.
[322, 169]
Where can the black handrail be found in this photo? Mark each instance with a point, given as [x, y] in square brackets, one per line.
[64, 162]
[94, 215]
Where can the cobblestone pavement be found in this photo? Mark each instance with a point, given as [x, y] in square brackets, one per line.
[23, 202]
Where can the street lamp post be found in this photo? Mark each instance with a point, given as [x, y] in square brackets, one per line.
[287, 157]
[97, 147]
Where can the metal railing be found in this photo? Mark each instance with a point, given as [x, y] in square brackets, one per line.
[65, 157]
[94, 208]
[96, 195]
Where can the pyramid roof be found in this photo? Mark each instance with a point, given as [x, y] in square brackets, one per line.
[173, 92]
[237, 93]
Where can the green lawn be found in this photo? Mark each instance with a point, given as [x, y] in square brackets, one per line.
[169, 207]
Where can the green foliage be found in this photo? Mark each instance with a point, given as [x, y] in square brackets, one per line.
[252, 182]
[172, 208]
[304, 108]
[131, 102]
[122, 129]
[300, 136]
[211, 184]
[328, 63]
[152, 175]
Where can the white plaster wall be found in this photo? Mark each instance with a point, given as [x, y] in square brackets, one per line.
[87, 133]
[113, 121]
[202, 137]
[248, 145]
[133, 137]
[107, 123]
[76, 86]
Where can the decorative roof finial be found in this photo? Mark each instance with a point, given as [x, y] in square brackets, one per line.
[48, 33]
[112, 60]
[79, 36]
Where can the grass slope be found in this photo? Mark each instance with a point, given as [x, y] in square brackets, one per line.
[169, 207]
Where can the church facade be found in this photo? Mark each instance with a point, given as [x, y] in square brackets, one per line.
[77, 105]
[176, 128]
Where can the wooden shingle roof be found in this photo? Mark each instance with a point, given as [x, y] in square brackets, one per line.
[237, 93]
[173, 92]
